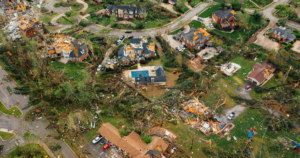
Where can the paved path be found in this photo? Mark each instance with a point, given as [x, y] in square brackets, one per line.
[85, 5]
[50, 7]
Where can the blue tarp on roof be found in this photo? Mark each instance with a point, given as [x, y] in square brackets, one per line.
[296, 144]
[250, 134]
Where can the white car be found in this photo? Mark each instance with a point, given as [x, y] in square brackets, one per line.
[182, 47]
[99, 68]
[211, 25]
[97, 139]
[177, 48]
[231, 116]
[108, 61]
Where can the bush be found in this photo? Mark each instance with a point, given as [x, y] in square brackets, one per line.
[146, 138]
[43, 9]
[46, 31]
[84, 23]
[68, 13]
[288, 47]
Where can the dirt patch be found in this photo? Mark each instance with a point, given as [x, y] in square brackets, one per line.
[238, 80]
[296, 46]
[196, 65]
[273, 104]
[254, 37]
[171, 78]
[264, 41]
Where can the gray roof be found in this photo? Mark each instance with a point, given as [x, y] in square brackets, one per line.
[160, 76]
[126, 8]
[285, 33]
[81, 48]
[190, 35]
[135, 40]
[224, 14]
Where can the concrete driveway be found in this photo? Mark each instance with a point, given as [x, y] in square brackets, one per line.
[172, 42]
[264, 40]
[238, 110]
[243, 93]
[50, 7]
[97, 151]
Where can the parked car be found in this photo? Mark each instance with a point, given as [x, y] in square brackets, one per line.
[118, 42]
[97, 139]
[102, 142]
[128, 31]
[130, 36]
[108, 61]
[248, 88]
[211, 25]
[231, 116]
[122, 37]
[106, 146]
[103, 68]
[114, 61]
[200, 19]
[178, 49]
[99, 68]
[182, 47]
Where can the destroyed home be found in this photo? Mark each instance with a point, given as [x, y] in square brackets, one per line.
[30, 26]
[126, 12]
[137, 50]
[230, 68]
[195, 38]
[68, 49]
[132, 145]
[163, 133]
[283, 34]
[12, 6]
[225, 18]
[261, 73]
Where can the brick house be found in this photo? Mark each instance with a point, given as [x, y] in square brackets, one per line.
[138, 49]
[261, 73]
[69, 48]
[132, 145]
[11, 6]
[226, 18]
[283, 34]
[126, 12]
[194, 39]
[29, 27]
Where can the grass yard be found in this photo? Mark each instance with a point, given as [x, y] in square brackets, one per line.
[78, 7]
[208, 12]
[156, 23]
[94, 8]
[196, 24]
[47, 17]
[52, 28]
[6, 136]
[262, 3]
[68, 29]
[71, 69]
[175, 32]
[29, 150]
[104, 21]
[14, 111]
[64, 20]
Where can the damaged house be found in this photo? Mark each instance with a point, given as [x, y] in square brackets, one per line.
[67, 48]
[230, 68]
[12, 6]
[137, 50]
[261, 73]
[132, 145]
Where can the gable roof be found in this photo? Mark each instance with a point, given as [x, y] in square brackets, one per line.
[160, 76]
[126, 8]
[262, 71]
[225, 14]
[285, 33]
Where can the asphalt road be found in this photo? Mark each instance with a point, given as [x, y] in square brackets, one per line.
[97, 151]
[50, 7]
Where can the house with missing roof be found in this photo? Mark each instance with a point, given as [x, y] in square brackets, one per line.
[30, 26]
[126, 12]
[230, 68]
[283, 34]
[67, 48]
[195, 38]
[156, 76]
[132, 145]
[12, 6]
[226, 18]
[261, 73]
[137, 50]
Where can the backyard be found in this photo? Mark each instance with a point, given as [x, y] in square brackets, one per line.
[47, 17]
[70, 69]
[65, 21]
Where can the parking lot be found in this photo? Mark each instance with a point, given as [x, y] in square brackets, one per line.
[97, 151]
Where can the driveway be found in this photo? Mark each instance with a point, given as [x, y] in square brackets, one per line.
[172, 42]
[97, 151]
[243, 93]
[50, 7]
[107, 54]
[169, 7]
[238, 110]
[264, 40]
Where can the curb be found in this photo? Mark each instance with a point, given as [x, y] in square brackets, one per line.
[11, 108]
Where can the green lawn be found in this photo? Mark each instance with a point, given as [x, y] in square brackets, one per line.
[196, 24]
[262, 3]
[68, 29]
[63, 20]
[47, 17]
[14, 111]
[29, 150]
[6, 136]
[71, 69]
[156, 23]
[94, 8]
[78, 7]
[52, 28]
[175, 32]
[208, 13]
[104, 21]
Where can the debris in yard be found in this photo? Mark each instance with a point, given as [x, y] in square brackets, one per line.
[230, 68]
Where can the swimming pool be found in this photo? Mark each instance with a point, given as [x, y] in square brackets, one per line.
[137, 73]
